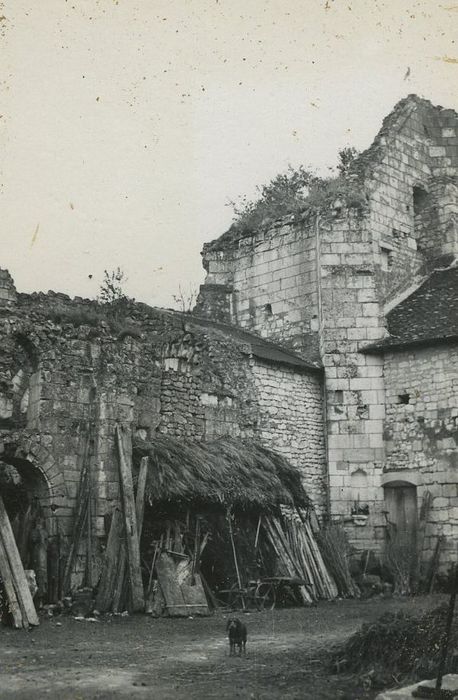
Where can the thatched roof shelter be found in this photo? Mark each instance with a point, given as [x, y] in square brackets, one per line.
[225, 471]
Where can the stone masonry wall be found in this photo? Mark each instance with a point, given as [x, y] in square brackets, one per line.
[291, 422]
[421, 432]
[272, 275]
[367, 256]
[350, 317]
[419, 151]
[68, 378]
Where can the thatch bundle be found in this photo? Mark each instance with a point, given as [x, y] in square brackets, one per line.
[225, 471]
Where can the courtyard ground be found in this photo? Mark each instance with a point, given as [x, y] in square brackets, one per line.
[140, 657]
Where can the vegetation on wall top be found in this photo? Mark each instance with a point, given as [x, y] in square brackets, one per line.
[294, 193]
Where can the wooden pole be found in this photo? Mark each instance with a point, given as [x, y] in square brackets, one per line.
[110, 565]
[90, 576]
[140, 497]
[239, 580]
[122, 584]
[150, 580]
[130, 520]
[257, 533]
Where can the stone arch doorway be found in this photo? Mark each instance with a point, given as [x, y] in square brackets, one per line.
[30, 500]
[27, 497]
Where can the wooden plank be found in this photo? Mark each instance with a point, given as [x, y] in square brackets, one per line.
[110, 564]
[140, 496]
[191, 588]
[170, 587]
[130, 520]
[7, 578]
[120, 578]
[19, 578]
[122, 584]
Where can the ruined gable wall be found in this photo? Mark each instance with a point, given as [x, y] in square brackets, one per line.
[268, 280]
[422, 435]
[416, 148]
[354, 286]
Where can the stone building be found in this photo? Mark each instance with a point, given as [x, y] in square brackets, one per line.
[366, 282]
[330, 336]
[70, 372]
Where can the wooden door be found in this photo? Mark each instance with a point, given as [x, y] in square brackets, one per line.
[401, 504]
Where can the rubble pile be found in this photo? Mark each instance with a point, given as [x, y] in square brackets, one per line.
[400, 645]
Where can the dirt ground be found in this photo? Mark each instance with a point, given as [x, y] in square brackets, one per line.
[140, 657]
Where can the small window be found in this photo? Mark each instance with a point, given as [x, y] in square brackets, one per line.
[404, 398]
[386, 258]
[268, 309]
[338, 396]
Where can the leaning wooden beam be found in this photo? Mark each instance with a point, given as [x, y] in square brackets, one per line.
[21, 586]
[140, 495]
[110, 564]
[130, 520]
[118, 593]
[7, 578]
[119, 597]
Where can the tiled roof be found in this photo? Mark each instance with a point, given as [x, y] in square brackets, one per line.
[264, 349]
[428, 316]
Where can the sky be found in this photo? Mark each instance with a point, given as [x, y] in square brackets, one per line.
[127, 127]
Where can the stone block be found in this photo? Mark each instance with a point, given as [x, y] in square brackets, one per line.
[376, 440]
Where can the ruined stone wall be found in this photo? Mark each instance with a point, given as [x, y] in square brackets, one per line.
[272, 275]
[291, 422]
[331, 275]
[411, 182]
[366, 255]
[421, 431]
[150, 371]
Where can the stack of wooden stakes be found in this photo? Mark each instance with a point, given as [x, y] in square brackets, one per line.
[121, 581]
[299, 556]
[82, 520]
[12, 573]
[334, 545]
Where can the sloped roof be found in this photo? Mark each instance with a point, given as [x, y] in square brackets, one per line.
[265, 349]
[428, 316]
[225, 471]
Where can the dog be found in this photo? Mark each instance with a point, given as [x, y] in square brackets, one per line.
[237, 634]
